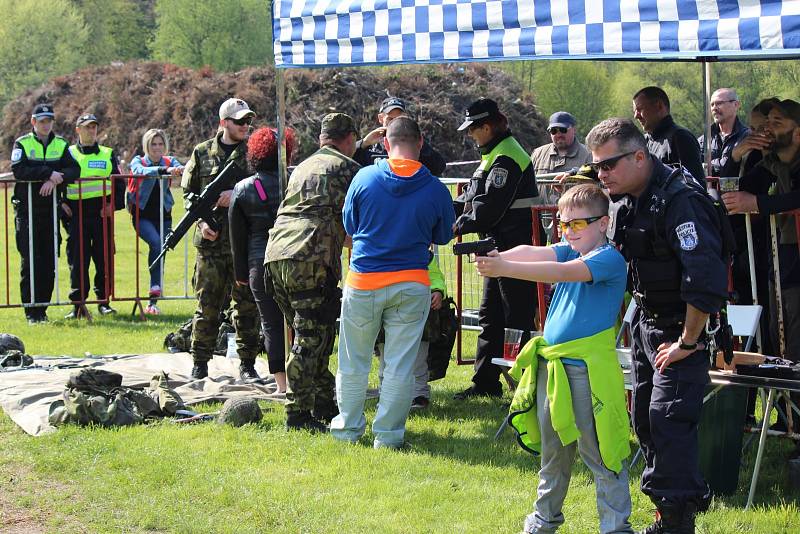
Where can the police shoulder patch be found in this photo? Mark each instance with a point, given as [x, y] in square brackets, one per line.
[498, 177]
[687, 236]
[16, 155]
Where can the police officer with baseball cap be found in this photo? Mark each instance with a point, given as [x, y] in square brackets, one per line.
[671, 234]
[497, 203]
[370, 148]
[89, 202]
[41, 165]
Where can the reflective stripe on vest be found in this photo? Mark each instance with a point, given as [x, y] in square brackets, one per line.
[35, 151]
[511, 148]
[92, 165]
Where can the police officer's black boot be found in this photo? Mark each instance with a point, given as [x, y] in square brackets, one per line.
[199, 370]
[672, 518]
[247, 371]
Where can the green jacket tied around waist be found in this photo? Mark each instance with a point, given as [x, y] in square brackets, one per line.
[608, 395]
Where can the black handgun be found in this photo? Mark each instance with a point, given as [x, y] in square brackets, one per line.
[482, 247]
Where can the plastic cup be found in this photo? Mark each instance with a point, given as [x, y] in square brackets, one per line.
[511, 343]
[231, 352]
[728, 184]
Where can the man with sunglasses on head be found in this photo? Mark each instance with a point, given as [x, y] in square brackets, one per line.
[565, 152]
[213, 277]
[670, 143]
[670, 234]
[497, 203]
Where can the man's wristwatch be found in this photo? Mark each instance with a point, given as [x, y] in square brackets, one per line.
[686, 346]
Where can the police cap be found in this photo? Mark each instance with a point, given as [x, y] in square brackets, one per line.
[337, 125]
[86, 118]
[392, 103]
[479, 111]
[43, 110]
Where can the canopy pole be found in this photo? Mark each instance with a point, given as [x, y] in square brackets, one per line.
[283, 179]
[707, 114]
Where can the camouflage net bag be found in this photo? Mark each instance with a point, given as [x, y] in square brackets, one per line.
[181, 339]
[96, 396]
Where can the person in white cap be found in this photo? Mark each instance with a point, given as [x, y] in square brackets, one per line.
[214, 278]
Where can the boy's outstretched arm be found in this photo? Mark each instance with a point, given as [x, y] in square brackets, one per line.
[529, 253]
[538, 270]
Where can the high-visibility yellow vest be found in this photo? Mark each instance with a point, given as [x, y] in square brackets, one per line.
[35, 151]
[92, 165]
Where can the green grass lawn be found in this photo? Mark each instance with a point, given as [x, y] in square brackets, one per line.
[260, 478]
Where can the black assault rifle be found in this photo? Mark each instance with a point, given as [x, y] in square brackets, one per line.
[202, 206]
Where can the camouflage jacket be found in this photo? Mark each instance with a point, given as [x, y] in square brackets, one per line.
[207, 160]
[309, 225]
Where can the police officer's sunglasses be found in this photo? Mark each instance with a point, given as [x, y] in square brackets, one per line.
[578, 224]
[607, 165]
[557, 129]
[241, 122]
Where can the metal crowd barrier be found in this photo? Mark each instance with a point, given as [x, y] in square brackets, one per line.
[113, 235]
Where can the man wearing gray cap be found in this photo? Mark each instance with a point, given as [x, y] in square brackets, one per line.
[40, 162]
[303, 269]
[213, 277]
[565, 152]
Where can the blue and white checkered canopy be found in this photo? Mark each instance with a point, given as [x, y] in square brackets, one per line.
[351, 32]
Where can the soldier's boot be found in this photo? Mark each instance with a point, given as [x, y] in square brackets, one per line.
[303, 420]
[673, 518]
[326, 413]
[199, 370]
[247, 371]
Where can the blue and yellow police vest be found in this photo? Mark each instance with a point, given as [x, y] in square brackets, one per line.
[92, 165]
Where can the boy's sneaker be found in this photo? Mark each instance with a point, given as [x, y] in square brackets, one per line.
[420, 403]
[155, 292]
[152, 309]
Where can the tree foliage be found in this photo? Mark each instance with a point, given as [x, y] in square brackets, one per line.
[37, 42]
[226, 35]
[119, 30]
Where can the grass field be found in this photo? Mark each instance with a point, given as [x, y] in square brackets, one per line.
[260, 478]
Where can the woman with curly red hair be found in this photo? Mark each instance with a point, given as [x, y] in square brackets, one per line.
[252, 212]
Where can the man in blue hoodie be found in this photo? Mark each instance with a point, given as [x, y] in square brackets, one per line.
[393, 210]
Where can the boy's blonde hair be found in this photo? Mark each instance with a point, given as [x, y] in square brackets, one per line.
[587, 196]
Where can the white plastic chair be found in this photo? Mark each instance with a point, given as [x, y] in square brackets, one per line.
[744, 320]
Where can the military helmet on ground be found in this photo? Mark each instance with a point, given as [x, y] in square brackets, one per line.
[9, 342]
[239, 411]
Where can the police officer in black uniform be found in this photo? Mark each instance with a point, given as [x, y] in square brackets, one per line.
[497, 204]
[670, 232]
[41, 163]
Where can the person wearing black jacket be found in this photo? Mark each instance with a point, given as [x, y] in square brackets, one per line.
[370, 148]
[726, 132]
[252, 212]
[497, 203]
[89, 208]
[670, 143]
[41, 164]
[773, 187]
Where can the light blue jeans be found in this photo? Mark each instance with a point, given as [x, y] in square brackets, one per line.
[612, 492]
[402, 310]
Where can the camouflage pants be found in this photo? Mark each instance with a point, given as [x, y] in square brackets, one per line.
[214, 286]
[309, 298]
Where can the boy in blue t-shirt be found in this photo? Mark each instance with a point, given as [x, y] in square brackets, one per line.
[591, 276]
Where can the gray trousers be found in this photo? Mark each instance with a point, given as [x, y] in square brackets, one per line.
[613, 494]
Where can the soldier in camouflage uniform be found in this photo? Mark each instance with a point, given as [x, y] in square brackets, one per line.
[303, 269]
[213, 275]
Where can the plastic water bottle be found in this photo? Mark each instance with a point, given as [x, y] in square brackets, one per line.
[231, 352]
